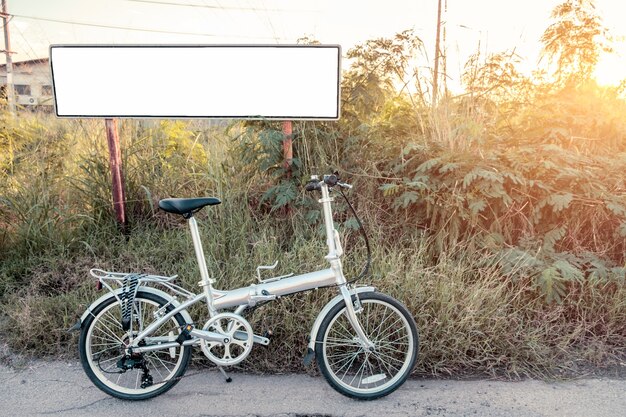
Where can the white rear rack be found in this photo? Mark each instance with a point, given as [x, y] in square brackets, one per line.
[117, 278]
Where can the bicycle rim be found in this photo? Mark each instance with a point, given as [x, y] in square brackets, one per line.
[104, 348]
[366, 373]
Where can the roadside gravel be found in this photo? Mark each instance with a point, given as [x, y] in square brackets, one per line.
[62, 389]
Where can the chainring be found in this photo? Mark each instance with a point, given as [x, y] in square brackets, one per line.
[239, 334]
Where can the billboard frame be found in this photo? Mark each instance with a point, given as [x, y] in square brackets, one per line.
[336, 116]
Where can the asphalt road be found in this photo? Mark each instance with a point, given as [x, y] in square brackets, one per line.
[62, 389]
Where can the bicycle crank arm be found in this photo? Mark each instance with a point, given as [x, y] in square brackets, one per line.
[239, 335]
[209, 336]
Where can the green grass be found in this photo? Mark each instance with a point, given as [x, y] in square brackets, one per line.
[57, 223]
[471, 320]
[498, 217]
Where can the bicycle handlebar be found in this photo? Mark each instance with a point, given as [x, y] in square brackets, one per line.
[330, 180]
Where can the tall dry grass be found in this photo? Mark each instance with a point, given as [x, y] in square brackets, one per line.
[57, 223]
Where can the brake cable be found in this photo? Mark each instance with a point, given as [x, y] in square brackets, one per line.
[366, 269]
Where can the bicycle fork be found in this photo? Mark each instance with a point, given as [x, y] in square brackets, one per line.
[334, 254]
[352, 307]
[351, 313]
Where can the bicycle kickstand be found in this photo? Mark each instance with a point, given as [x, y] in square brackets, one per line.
[228, 378]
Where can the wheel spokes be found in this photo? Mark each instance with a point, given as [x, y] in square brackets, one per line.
[105, 347]
[361, 369]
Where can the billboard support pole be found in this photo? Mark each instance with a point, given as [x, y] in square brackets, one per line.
[288, 146]
[115, 163]
[288, 152]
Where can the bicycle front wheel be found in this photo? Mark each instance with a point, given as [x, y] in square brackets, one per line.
[360, 373]
[102, 349]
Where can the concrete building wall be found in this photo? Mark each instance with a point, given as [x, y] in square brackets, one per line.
[32, 82]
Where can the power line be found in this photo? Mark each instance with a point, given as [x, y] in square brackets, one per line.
[137, 29]
[9, 18]
[268, 21]
[206, 6]
[34, 56]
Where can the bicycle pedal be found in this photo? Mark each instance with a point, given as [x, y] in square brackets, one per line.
[265, 339]
[184, 335]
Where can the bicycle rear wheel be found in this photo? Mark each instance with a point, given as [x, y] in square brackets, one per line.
[355, 371]
[142, 376]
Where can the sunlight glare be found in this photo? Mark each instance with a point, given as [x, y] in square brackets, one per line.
[610, 69]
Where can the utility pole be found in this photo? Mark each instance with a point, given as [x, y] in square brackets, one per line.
[7, 51]
[437, 54]
[445, 50]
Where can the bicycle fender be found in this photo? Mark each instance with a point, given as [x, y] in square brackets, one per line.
[320, 317]
[117, 293]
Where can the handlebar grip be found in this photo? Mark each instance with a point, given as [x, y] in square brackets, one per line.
[312, 186]
[331, 180]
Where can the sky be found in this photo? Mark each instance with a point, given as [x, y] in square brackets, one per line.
[491, 25]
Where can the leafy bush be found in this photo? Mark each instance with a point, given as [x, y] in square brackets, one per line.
[498, 217]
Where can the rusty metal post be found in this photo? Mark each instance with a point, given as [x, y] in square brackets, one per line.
[288, 146]
[115, 163]
[288, 152]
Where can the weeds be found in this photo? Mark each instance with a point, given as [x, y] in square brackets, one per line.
[473, 316]
[498, 218]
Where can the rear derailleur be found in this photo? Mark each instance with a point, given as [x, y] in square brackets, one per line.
[136, 361]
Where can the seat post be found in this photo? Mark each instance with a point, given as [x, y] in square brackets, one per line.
[204, 273]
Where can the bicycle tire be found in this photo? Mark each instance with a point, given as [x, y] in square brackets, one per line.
[399, 351]
[93, 365]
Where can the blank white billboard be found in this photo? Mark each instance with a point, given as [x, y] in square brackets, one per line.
[285, 82]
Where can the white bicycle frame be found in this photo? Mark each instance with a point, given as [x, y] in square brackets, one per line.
[245, 297]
